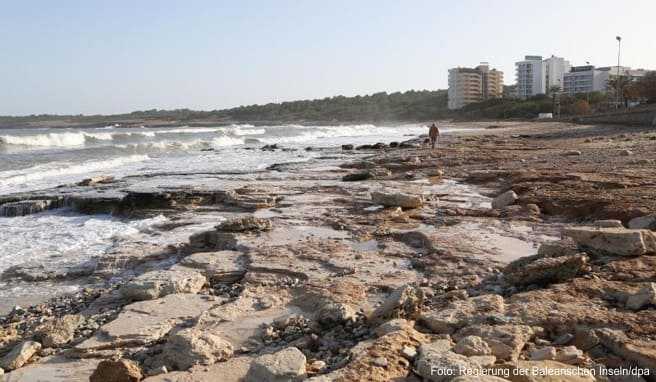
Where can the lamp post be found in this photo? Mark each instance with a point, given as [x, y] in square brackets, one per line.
[619, 47]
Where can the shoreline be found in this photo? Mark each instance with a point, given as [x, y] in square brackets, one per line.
[312, 263]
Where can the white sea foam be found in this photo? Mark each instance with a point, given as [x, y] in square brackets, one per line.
[226, 140]
[69, 139]
[52, 237]
[63, 169]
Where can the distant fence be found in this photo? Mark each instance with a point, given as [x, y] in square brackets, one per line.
[640, 117]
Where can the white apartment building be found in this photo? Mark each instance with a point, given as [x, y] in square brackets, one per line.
[536, 76]
[586, 79]
[530, 77]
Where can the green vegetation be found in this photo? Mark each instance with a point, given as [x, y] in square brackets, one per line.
[412, 105]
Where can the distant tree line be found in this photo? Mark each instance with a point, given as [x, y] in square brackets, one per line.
[409, 106]
[412, 105]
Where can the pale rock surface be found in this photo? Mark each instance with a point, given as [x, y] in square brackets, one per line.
[121, 370]
[472, 345]
[463, 312]
[156, 284]
[194, 346]
[218, 267]
[394, 325]
[645, 296]
[614, 241]
[505, 341]
[404, 302]
[19, 355]
[59, 331]
[397, 199]
[504, 200]
[545, 353]
[287, 365]
[609, 223]
[146, 322]
[54, 369]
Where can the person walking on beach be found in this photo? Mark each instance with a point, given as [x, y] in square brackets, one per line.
[433, 134]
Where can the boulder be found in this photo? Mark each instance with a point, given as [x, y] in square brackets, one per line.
[393, 326]
[27, 207]
[218, 267]
[245, 224]
[59, 331]
[545, 353]
[436, 363]
[287, 365]
[558, 248]
[463, 312]
[609, 223]
[121, 370]
[194, 346]
[250, 198]
[543, 271]
[397, 199]
[572, 153]
[637, 352]
[643, 222]
[504, 200]
[645, 296]
[214, 240]
[19, 355]
[357, 176]
[101, 179]
[404, 302]
[505, 341]
[626, 153]
[614, 241]
[472, 345]
[335, 313]
[156, 284]
[347, 147]
[570, 355]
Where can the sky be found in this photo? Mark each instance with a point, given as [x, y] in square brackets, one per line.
[114, 56]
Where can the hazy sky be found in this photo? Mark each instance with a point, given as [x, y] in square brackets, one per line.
[95, 56]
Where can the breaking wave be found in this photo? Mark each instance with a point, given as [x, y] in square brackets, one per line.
[111, 135]
[59, 169]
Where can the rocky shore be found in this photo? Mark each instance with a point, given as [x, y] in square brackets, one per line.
[514, 246]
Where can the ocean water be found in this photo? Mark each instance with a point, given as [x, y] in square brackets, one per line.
[33, 159]
[37, 159]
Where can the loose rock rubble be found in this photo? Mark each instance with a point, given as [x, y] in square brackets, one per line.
[385, 264]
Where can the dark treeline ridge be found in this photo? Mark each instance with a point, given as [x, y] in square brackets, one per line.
[412, 105]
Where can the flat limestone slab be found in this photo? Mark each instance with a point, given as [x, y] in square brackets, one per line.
[233, 370]
[144, 322]
[616, 241]
[54, 369]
